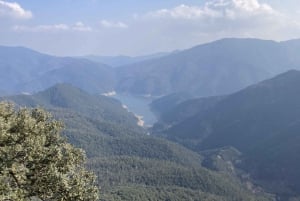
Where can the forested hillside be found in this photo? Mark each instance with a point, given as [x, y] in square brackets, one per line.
[261, 121]
[129, 164]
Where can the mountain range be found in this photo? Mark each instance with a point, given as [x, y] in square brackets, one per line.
[262, 121]
[215, 68]
[117, 61]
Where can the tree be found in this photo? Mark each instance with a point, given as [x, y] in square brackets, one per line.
[36, 163]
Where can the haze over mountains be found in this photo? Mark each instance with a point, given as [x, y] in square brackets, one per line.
[235, 136]
[117, 61]
[29, 71]
[215, 68]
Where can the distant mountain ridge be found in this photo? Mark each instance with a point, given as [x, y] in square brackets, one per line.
[216, 68]
[25, 70]
[89, 76]
[117, 61]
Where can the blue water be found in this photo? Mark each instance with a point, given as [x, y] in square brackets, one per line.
[138, 105]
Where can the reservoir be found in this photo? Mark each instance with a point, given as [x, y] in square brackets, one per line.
[138, 105]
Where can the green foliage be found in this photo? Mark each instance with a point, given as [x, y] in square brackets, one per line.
[170, 193]
[36, 162]
[224, 159]
[135, 178]
[140, 193]
[151, 148]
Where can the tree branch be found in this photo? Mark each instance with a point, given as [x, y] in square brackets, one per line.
[15, 178]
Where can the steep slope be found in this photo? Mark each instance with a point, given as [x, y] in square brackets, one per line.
[263, 122]
[25, 70]
[255, 113]
[215, 68]
[181, 111]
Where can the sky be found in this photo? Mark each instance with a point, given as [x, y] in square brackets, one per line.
[140, 27]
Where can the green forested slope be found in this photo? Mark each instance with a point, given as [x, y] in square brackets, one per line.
[129, 164]
[261, 121]
[133, 178]
[89, 120]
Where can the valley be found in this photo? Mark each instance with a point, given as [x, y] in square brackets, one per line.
[180, 100]
[206, 130]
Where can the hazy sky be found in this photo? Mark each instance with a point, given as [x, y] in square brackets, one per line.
[138, 27]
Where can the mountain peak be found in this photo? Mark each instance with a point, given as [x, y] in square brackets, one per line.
[62, 95]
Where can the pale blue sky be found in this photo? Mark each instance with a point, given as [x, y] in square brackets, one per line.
[137, 27]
